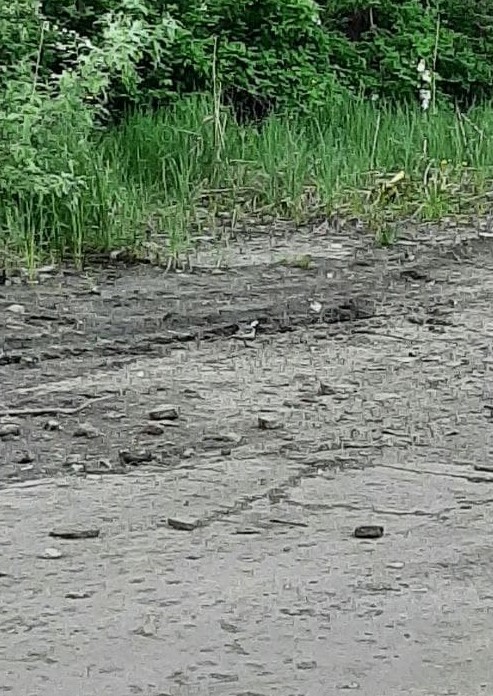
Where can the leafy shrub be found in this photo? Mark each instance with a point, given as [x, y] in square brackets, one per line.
[379, 42]
[272, 53]
[263, 53]
[53, 98]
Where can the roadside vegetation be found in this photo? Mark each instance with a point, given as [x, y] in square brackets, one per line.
[142, 126]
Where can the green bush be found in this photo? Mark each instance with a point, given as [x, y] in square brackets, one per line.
[270, 53]
[379, 43]
[53, 99]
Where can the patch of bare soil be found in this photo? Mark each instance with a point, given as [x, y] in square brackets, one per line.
[186, 458]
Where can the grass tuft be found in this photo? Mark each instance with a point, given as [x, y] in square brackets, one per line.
[161, 180]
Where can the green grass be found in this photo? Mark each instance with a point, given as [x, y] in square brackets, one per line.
[160, 180]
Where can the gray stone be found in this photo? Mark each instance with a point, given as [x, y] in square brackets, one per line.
[73, 460]
[86, 430]
[369, 531]
[81, 594]
[325, 389]
[184, 525]
[269, 422]
[51, 553]
[16, 309]
[52, 425]
[8, 430]
[135, 457]
[153, 429]
[164, 412]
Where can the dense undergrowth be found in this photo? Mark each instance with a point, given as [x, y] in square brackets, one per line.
[141, 125]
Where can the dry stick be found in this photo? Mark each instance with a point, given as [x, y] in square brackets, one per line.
[434, 66]
[51, 411]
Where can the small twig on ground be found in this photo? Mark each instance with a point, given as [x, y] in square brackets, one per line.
[51, 410]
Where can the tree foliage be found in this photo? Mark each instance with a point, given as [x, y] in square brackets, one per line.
[263, 53]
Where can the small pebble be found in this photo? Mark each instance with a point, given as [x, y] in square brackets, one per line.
[9, 430]
[73, 460]
[51, 553]
[16, 309]
[268, 422]
[82, 594]
[153, 429]
[135, 457]
[164, 412]
[29, 360]
[398, 565]
[371, 531]
[86, 430]
[47, 270]
[103, 466]
[184, 525]
[52, 425]
[215, 440]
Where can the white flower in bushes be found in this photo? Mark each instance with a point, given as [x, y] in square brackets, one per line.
[426, 79]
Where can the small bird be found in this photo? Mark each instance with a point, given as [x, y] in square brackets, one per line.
[246, 332]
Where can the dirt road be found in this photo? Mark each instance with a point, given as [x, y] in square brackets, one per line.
[224, 477]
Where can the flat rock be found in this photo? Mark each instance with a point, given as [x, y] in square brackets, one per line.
[269, 422]
[9, 430]
[368, 531]
[135, 457]
[16, 309]
[164, 412]
[103, 467]
[73, 533]
[79, 594]
[153, 429]
[74, 460]
[325, 389]
[183, 524]
[52, 425]
[86, 430]
[50, 553]
[217, 440]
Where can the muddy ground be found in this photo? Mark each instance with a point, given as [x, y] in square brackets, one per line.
[364, 398]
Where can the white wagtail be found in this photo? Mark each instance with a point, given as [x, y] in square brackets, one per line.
[246, 332]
